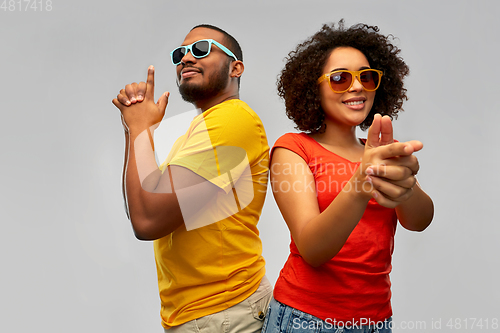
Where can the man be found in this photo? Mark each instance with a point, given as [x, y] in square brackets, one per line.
[202, 205]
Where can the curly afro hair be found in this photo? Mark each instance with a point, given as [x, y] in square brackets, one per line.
[298, 86]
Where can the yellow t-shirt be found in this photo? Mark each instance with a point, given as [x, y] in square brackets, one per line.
[215, 260]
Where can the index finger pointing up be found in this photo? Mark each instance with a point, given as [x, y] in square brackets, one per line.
[150, 85]
[372, 139]
[386, 131]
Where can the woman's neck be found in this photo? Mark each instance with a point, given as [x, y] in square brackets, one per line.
[339, 136]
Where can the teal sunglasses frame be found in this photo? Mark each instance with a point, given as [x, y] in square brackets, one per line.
[188, 48]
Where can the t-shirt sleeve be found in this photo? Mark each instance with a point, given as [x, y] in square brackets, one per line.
[222, 145]
[293, 142]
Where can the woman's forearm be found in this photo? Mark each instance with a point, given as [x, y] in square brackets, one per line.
[417, 212]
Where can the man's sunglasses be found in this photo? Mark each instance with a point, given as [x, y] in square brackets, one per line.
[342, 80]
[199, 49]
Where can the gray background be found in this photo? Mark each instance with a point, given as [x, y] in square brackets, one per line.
[70, 262]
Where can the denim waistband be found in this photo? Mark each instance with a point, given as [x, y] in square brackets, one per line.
[283, 318]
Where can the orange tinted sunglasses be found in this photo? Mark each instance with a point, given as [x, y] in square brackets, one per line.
[342, 80]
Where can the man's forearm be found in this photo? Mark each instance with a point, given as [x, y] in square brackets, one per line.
[125, 163]
[143, 161]
[153, 215]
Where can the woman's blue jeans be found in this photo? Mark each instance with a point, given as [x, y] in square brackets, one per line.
[281, 318]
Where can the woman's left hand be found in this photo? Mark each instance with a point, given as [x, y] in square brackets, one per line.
[392, 184]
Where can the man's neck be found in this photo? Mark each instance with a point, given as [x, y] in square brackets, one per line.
[204, 105]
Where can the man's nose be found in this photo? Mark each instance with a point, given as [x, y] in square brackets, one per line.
[188, 57]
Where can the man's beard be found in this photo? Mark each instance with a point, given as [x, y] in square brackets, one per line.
[217, 82]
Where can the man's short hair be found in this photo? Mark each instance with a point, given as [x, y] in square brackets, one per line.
[229, 41]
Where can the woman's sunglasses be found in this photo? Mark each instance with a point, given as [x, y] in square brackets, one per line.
[199, 49]
[342, 80]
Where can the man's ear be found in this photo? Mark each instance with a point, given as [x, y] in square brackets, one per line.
[237, 68]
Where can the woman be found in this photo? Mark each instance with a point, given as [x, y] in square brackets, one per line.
[340, 196]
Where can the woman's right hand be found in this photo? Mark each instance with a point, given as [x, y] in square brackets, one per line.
[390, 167]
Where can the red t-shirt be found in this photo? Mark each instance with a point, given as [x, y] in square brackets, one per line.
[353, 285]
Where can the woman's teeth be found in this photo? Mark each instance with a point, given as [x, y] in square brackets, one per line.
[354, 103]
